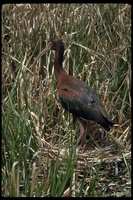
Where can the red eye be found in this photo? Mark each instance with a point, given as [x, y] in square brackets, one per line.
[50, 45]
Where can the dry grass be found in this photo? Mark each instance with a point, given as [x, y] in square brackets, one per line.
[97, 41]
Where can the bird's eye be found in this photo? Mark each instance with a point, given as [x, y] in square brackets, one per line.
[50, 44]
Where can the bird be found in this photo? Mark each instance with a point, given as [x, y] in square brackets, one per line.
[75, 95]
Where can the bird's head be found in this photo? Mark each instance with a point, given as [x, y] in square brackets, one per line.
[53, 44]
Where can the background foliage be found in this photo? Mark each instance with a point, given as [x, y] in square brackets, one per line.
[38, 136]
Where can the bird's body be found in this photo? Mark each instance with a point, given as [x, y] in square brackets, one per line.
[78, 98]
[75, 95]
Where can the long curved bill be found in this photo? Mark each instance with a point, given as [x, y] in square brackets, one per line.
[46, 49]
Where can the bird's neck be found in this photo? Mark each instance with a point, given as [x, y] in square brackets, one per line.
[58, 62]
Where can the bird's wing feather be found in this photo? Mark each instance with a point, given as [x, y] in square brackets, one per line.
[83, 102]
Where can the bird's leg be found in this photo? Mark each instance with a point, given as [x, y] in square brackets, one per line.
[82, 130]
[88, 127]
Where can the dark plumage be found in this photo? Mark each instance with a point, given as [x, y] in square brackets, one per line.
[75, 95]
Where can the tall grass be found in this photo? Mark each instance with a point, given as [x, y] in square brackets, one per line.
[38, 137]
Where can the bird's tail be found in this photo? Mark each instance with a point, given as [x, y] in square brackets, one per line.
[106, 125]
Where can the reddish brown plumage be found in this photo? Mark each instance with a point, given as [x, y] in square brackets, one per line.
[75, 95]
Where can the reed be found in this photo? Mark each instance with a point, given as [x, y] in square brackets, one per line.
[38, 137]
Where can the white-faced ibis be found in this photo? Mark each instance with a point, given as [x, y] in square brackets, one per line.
[75, 95]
